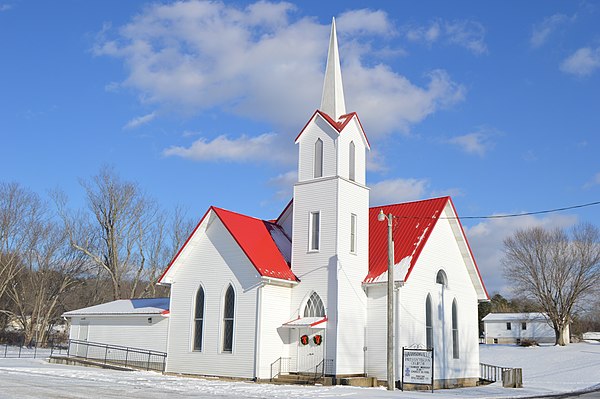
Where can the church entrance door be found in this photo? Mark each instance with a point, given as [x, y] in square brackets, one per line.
[310, 349]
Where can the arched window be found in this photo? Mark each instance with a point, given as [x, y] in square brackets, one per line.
[428, 323]
[314, 306]
[441, 278]
[454, 330]
[199, 319]
[352, 162]
[228, 317]
[318, 167]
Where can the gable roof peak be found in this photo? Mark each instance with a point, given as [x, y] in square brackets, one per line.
[332, 101]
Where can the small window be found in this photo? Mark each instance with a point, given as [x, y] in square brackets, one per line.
[508, 326]
[353, 233]
[495, 340]
[314, 228]
[318, 167]
[441, 278]
[228, 318]
[428, 323]
[199, 319]
[518, 341]
[455, 351]
[352, 162]
[523, 326]
[314, 306]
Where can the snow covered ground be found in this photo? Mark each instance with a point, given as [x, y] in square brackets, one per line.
[547, 370]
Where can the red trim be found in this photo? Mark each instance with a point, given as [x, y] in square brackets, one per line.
[469, 247]
[323, 320]
[183, 246]
[338, 126]
[165, 312]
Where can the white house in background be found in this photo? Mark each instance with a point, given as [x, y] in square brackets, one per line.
[138, 323]
[513, 328]
[309, 288]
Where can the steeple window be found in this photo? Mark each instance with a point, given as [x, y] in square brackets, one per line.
[352, 161]
[318, 167]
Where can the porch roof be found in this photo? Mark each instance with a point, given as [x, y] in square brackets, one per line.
[307, 322]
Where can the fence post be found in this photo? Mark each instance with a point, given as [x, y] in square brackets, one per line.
[126, 355]
[105, 353]
[5, 349]
[148, 365]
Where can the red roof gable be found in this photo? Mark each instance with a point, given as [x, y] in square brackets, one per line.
[413, 223]
[260, 240]
[339, 125]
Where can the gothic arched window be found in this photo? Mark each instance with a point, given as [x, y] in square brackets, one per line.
[441, 278]
[228, 318]
[454, 330]
[314, 306]
[352, 162]
[428, 323]
[199, 319]
[318, 167]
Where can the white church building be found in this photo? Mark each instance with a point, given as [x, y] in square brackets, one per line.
[308, 289]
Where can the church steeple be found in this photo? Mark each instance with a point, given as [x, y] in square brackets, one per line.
[332, 101]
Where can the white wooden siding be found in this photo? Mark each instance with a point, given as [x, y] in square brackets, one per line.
[127, 330]
[318, 128]
[274, 340]
[441, 252]
[215, 260]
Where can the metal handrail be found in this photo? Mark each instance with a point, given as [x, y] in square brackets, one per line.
[118, 355]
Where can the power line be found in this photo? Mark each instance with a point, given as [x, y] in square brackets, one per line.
[512, 215]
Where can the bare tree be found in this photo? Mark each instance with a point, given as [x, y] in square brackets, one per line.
[20, 211]
[113, 232]
[51, 269]
[557, 270]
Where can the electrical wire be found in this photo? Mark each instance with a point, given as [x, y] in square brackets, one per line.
[511, 215]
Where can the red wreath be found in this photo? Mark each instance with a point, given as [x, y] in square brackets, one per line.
[318, 339]
[304, 339]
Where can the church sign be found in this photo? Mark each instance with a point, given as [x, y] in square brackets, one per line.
[417, 366]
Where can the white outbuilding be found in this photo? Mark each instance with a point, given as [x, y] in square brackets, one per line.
[514, 328]
[138, 323]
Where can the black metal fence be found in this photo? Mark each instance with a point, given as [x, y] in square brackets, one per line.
[33, 350]
[117, 355]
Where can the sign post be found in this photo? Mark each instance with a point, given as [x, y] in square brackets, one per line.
[417, 367]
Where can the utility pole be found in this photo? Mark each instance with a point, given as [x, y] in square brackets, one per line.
[390, 301]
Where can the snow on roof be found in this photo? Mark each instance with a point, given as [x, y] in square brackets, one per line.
[413, 224]
[515, 317]
[139, 306]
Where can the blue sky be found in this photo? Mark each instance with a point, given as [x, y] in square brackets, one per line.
[494, 103]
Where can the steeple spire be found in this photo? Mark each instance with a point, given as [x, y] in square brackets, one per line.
[332, 102]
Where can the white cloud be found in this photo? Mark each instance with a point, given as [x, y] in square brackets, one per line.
[487, 242]
[256, 62]
[463, 33]
[284, 183]
[397, 190]
[241, 149]
[582, 62]
[595, 181]
[542, 31]
[477, 143]
[140, 120]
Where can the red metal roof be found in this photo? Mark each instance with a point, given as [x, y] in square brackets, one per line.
[413, 223]
[258, 239]
[255, 238]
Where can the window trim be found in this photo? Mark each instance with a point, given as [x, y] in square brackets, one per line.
[353, 231]
[508, 326]
[224, 319]
[524, 325]
[195, 341]
[314, 245]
